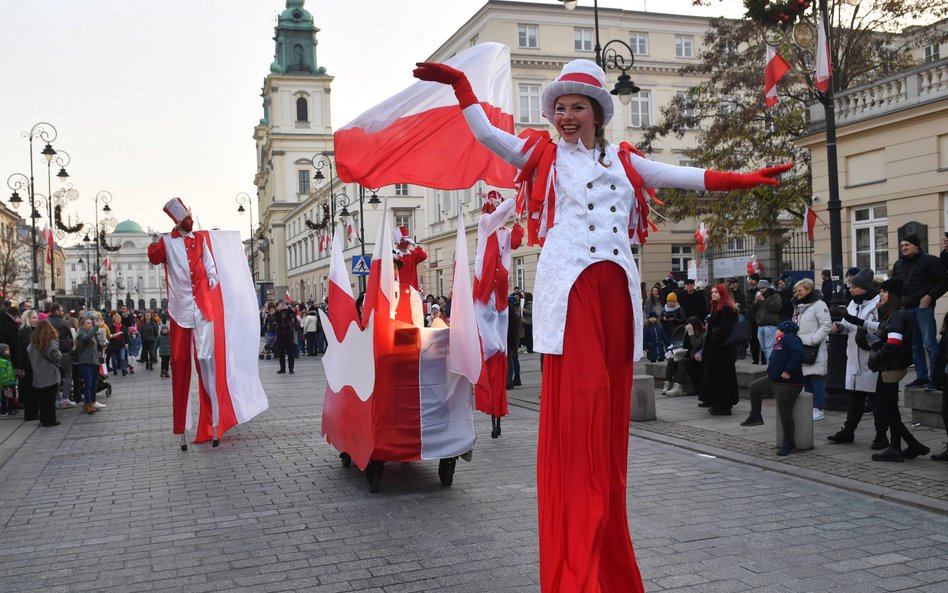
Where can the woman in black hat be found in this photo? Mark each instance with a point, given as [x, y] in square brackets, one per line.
[891, 358]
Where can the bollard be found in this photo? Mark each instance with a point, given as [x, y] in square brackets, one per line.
[643, 398]
[802, 422]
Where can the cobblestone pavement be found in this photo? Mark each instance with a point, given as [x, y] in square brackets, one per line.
[108, 503]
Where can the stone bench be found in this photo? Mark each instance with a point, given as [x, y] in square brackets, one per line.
[925, 407]
[745, 377]
[643, 398]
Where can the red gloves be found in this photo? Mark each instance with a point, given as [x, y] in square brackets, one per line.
[447, 75]
[721, 181]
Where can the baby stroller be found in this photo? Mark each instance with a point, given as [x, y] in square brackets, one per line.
[103, 384]
[268, 344]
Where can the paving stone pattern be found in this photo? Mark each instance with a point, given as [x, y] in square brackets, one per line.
[108, 503]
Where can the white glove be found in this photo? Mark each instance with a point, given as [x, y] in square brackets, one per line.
[155, 237]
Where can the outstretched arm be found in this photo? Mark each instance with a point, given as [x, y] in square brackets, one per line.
[503, 144]
[656, 174]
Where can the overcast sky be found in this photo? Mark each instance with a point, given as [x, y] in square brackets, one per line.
[157, 99]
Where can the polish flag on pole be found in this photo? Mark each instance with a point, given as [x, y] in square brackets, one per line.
[809, 222]
[420, 135]
[351, 234]
[381, 289]
[342, 307]
[776, 68]
[824, 68]
[48, 238]
[464, 353]
[286, 297]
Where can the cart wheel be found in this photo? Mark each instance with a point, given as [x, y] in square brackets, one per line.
[346, 459]
[373, 473]
[268, 357]
[108, 391]
[261, 357]
[446, 471]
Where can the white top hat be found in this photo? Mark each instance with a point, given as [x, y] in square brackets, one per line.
[399, 234]
[579, 77]
[176, 209]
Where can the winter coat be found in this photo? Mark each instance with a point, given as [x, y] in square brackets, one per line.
[787, 357]
[893, 351]
[858, 375]
[61, 326]
[22, 342]
[656, 341]
[813, 317]
[117, 338]
[45, 364]
[719, 386]
[654, 304]
[7, 374]
[134, 344]
[513, 330]
[694, 304]
[672, 318]
[922, 274]
[9, 329]
[88, 346]
[164, 344]
[149, 330]
[786, 303]
[285, 324]
[768, 311]
[311, 323]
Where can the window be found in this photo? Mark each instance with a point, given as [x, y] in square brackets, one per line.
[446, 204]
[684, 46]
[73, 267]
[681, 256]
[636, 255]
[871, 238]
[529, 103]
[689, 109]
[582, 39]
[931, 52]
[520, 272]
[641, 105]
[401, 189]
[303, 181]
[687, 163]
[528, 36]
[440, 276]
[302, 109]
[639, 43]
[404, 218]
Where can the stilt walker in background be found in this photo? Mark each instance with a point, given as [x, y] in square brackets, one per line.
[596, 194]
[230, 390]
[491, 272]
[410, 255]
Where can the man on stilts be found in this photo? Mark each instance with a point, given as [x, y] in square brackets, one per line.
[196, 307]
[491, 272]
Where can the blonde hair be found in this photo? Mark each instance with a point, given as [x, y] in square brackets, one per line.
[805, 283]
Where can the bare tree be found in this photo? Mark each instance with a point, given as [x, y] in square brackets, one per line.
[14, 262]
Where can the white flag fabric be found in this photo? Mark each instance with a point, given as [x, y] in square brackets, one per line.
[464, 355]
[824, 67]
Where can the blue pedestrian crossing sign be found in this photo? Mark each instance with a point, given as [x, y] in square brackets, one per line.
[361, 265]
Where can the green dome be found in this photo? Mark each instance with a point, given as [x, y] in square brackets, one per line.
[128, 226]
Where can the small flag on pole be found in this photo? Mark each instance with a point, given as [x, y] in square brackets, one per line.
[774, 71]
[809, 222]
[824, 67]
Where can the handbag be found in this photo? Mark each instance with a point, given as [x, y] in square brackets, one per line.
[894, 375]
[740, 334]
[810, 353]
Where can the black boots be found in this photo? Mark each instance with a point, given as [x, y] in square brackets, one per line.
[495, 427]
[786, 448]
[914, 450]
[753, 420]
[890, 454]
[943, 456]
[843, 436]
[880, 442]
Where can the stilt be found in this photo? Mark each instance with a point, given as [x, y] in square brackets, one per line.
[184, 442]
[216, 440]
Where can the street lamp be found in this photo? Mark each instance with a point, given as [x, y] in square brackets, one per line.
[61, 157]
[320, 160]
[612, 57]
[242, 199]
[87, 240]
[105, 197]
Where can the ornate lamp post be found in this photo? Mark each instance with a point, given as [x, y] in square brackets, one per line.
[320, 160]
[105, 197]
[243, 199]
[61, 158]
[612, 57]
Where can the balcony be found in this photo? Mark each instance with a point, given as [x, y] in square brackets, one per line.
[925, 84]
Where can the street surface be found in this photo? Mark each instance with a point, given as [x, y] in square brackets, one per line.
[108, 502]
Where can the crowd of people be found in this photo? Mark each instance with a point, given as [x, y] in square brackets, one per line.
[55, 359]
[888, 319]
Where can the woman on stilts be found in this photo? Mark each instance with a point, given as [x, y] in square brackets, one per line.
[597, 195]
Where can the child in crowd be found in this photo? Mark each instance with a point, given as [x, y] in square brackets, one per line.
[655, 339]
[134, 348]
[7, 382]
[164, 350]
[785, 370]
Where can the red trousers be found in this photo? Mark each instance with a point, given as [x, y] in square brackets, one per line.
[183, 343]
[582, 454]
[490, 393]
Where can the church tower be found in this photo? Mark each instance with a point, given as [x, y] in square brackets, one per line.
[294, 127]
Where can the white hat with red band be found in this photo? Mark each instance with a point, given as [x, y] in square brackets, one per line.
[176, 209]
[399, 234]
[579, 77]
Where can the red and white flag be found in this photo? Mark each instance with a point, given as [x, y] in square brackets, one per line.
[420, 135]
[809, 222]
[342, 307]
[286, 297]
[351, 236]
[464, 354]
[775, 69]
[106, 265]
[47, 236]
[824, 67]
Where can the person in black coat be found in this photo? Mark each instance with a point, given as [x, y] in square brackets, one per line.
[9, 329]
[827, 287]
[719, 385]
[891, 356]
[751, 313]
[513, 342]
[924, 280]
[285, 326]
[692, 301]
[24, 370]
